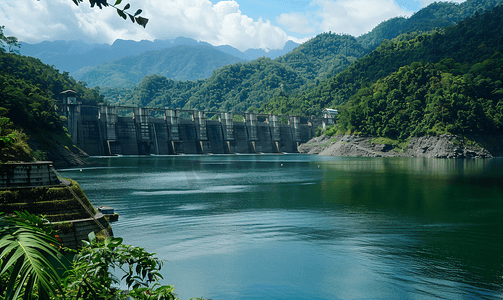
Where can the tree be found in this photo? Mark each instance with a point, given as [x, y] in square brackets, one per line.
[91, 276]
[13, 143]
[121, 12]
[30, 254]
[10, 42]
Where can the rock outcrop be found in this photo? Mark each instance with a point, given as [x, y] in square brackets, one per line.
[71, 157]
[442, 146]
[62, 156]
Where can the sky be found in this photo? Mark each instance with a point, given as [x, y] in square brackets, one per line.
[243, 24]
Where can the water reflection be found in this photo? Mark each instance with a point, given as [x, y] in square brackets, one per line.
[457, 248]
[309, 227]
[421, 166]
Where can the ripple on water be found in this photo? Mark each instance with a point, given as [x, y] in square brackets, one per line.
[206, 190]
[188, 207]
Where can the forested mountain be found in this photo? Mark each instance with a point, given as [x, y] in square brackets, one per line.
[323, 56]
[178, 63]
[244, 86]
[469, 42]
[448, 81]
[430, 99]
[233, 87]
[316, 62]
[435, 15]
[27, 90]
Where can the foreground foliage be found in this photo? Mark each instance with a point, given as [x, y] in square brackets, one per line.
[122, 12]
[26, 245]
[31, 260]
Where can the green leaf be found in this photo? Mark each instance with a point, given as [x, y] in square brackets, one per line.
[29, 286]
[91, 236]
[12, 292]
[122, 14]
[127, 6]
[27, 245]
[138, 12]
[118, 2]
[142, 21]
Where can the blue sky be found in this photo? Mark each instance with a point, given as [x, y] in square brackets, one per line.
[244, 24]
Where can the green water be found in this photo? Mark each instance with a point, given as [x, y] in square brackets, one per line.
[310, 227]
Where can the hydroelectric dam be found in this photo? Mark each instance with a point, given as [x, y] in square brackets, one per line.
[121, 130]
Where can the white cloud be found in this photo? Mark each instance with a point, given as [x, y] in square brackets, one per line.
[300, 40]
[295, 22]
[355, 17]
[221, 23]
[34, 21]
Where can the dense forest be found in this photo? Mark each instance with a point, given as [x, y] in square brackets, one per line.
[27, 92]
[430, 99]
[323, 56]
[234, 87]
[246, 86]
[435, 15]
[460, 94]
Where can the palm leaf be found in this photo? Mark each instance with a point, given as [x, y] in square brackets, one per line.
[26, 245]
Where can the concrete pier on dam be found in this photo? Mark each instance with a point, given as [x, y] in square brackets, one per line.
[120, 130]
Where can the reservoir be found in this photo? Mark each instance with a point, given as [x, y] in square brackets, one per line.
[299, 226]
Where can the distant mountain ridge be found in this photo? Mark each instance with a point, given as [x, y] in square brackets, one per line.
[71, 56]
[179, 63]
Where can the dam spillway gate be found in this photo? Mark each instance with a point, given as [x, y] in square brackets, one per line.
[119, 130]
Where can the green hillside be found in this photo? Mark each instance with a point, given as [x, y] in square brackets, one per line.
[430, 99]
[179, 63]
[435, 15]
[244, 86]
[27, 90]
[238, 86]
[323, 56]
[460, 94]
[469, 42]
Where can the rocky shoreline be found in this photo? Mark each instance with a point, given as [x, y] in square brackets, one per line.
[442, 146]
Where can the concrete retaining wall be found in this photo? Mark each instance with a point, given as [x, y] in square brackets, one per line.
[27, 174]
[65, 205]
[72, 233]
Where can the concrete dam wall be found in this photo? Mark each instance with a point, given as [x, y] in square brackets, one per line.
[118, 130]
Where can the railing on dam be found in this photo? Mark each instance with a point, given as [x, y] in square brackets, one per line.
[122, 130]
